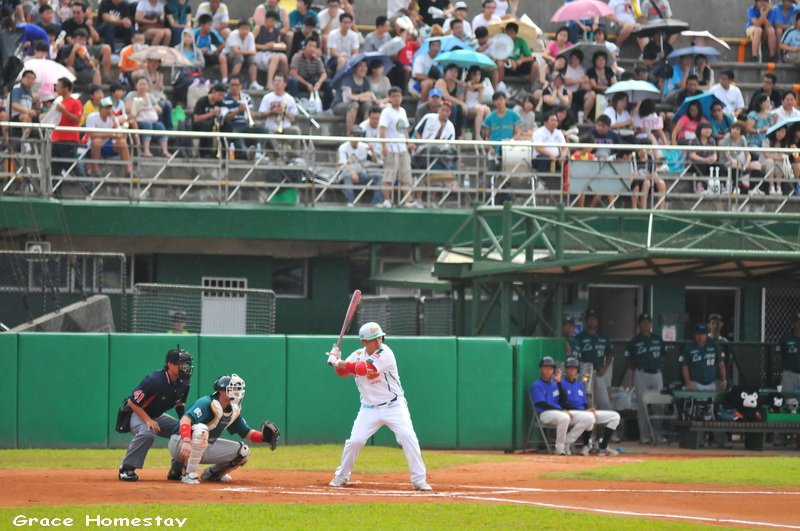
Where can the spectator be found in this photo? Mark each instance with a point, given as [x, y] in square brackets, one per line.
[545, 395]
[691, 88]
[702, 365]
[527, 118]
[548, 159]
[78, 58]
[488, 15]
[621, 120]
[47, 17]
[329, 18]
[397, 8]
[307, 73]
[425, 70]
[655, 53]
[239, 105]
[63, 11]
[283, 17]
[156, 80]
[782, 15]
[218, 11]
[686, 127]
[653, 10]
[107, 144]
[457, 31]
[144, 108]
[93, 103]
[298, 16]
[270, 54]
[452, 89]
[474, 109]
[394, 126]
[30, 34]
[681, 72]
[375, 39]
[343, 43]
[150, 21]
[435, 11]
[371, 129]
[460, 13]
[211, 44]
[520, 62]
[602, 134]
[790, 43]
[130, 69]
[354, 97]
[703, 160]
[646, 179]
[579, 86]
[436, 126]
[623, 20]
[81, 21]
[601, 76]
[555, 93]
[768, 82]
[240, 50]
[648, 125]
[24, 108]
[788, 348]
[500, 124]
[786, 109]
[435, 98]
[760, 28]
[178, 15]
[119, 108]
[758, 121]
[116, 22]
[558, 45]
[378, 83]
[353, 158]
[740, 163]
[772, 164]
[64, 144]
[279, 109]
[612, 49]
[205, 117]
[721, 123]
[299, 38]
[405, 57]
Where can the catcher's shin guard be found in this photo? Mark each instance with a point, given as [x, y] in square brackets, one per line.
[216, 472]
[199, 445]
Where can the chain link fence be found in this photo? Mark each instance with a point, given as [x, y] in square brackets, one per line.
[780, 307]
[408, 316]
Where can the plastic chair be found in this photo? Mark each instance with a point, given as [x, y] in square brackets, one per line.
[667, 412]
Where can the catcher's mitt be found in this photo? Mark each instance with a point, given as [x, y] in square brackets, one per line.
[270, 433]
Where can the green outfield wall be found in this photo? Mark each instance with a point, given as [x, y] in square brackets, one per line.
[63, 390]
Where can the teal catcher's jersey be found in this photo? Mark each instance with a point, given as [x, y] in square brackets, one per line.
[207, 410]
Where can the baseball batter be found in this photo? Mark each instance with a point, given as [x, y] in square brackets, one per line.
[196, 440]
[383, 403]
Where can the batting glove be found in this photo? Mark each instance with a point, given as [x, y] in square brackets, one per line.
[333, 359]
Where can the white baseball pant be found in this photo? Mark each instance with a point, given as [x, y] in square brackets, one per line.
[397, 418]
[606, 417]
[580, 421]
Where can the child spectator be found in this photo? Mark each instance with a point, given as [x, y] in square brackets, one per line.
[150, 20]
[760, 28]
[218, 11]
[270, 51]
[211, 44]
[240, 50]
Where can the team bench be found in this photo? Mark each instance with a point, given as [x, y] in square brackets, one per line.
[690, 433]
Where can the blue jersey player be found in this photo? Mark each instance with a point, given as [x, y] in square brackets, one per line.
[157, 393]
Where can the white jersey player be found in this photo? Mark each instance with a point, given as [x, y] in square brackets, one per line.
[383, 402]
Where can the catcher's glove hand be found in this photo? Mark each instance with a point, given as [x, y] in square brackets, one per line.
[270, 434]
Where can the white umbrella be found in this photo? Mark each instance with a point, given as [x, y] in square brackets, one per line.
[47, 74]
[700, 38]
[528, 31]
[167, 55]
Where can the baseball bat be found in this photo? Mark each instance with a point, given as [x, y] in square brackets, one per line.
[348, 318]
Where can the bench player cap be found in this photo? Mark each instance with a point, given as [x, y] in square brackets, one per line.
[715, 317]
[370, 331]
[644, 316]
[547, 361]
[700, 328]
[572, 362]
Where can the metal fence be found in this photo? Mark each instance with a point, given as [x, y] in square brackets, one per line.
[456, 174]
[408, 316]
[780, 307]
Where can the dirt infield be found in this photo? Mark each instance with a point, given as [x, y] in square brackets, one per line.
[504, 483]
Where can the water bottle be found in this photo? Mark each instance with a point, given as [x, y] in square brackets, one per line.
[231, 152]
[259, 154]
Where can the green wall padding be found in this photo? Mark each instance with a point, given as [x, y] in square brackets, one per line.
[485, 393]
[64, 378]
[8, 385]
[134, 356]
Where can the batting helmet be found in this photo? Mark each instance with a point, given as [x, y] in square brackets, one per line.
[232, 384]
[182, 359]
[369, 331]
[572, 362]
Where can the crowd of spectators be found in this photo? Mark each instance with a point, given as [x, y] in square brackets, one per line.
[312, 59]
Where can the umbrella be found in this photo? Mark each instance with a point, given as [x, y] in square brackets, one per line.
[705, 99]
[700, 38]
[582, 10]
[588, 49]
[449, 42]
[669, 26]
[466, 59]
[168, 56]
[790, 123]
[47, 73]
[528, 31]
[636, 90]
[10, 55]
[348, 68]
[692, 51]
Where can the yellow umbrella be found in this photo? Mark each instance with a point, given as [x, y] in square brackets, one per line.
[528, 31]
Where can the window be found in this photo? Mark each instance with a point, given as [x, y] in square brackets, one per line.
[290, 278]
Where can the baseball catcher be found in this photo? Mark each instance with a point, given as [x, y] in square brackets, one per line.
[197, 441]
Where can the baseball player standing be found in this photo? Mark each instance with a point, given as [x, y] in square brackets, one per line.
[568, 331]
[789, 349]
[157, 393]
[700, 362]
[644, 353]
[596, 349]
[383, 402]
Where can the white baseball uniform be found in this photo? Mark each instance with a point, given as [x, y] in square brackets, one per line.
[382, 403]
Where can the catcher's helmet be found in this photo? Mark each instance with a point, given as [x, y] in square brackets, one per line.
[369, 331]
[232, 384]
[183, 359]
[572, 362]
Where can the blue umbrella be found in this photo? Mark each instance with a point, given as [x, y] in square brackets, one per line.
[710, 53]
[705, 99]
[465, 59]
[788, 123]
[636, 90]
[348, 68]
[449, 42]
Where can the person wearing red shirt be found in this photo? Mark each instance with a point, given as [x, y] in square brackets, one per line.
[65, 143]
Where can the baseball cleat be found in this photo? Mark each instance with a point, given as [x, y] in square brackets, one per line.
[208, 475]
[337, 482]
[191, 479]
[585, 450]
[422, 485]
[607, 452]
[128, 474]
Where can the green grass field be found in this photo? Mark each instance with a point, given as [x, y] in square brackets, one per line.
[752, 471]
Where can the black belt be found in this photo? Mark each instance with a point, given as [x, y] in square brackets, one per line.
[650, 372]
[796, 371]
[379, 405]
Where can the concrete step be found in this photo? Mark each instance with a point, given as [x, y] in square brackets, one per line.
[744, 72]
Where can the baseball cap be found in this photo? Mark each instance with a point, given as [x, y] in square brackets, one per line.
[591, 312]
[461, 5]
[435, 92]
[572, 362]
[715, 317]
[700, 328]
[644, 316]
[175, 314]
[547, 360]
[106, 102]
[569, 320]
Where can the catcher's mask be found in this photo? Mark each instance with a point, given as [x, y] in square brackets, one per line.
[233, 386]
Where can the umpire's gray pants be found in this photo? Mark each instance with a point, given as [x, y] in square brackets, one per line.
[220, 451]
[790, 382]
[644, 382]
[143, 438]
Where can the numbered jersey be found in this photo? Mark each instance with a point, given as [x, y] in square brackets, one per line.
[789, 349]
[207, 410]
[385, 386]
[594, 348]
[646, 352]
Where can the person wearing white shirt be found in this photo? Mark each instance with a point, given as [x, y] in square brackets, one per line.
[353, 157]
[487, 17]
[329, 18]
[459, 14]
[436, 126]
[548, 133]
[623, 19]
[107, 145]
[729, 94]
[240, 50]
[617, 112]
[371, 129]
[394, 125]
[787, 109]
[421, 82]
[219, 14]
[343, 43]
[280, 110]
